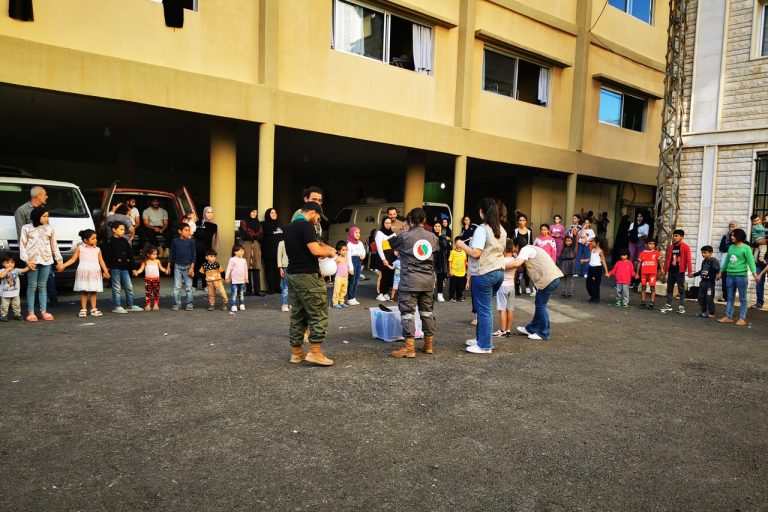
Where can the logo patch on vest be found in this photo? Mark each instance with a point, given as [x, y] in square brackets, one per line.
[422, 250]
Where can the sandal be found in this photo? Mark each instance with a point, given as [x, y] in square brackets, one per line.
[46, 316]
[741, 322]
[83, 313]
[31, 317]
[95, 312]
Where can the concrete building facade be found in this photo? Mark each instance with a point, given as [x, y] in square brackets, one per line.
[553, 106]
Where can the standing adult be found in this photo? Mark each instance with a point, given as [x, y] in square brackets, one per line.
[387, 256]
[416, 247]
[467, 229]
[206, 238]
[546, 277]
[273, 235]
[522, 231]
[725, 244]
[447, 228]
[397, 223]
[557, 231]
[602, 225]
[251, 234]
[355, 257]
[442, 252]
[315, 195]
[307, 292]
[23, 216]
[486, 264]
[638, 234]
[39, 249]
[154, 222]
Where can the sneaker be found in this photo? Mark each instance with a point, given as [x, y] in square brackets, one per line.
[337, 306]
[650, 305]
[562, 295]
[498, 334]
[440, 297]
[617, 303]
[284, 308]
[475, 349]
[533, 293]
[462, 299]
[381, 298]
[3, 318]
[702, 315]
[471, 342]
[135, 308]
[225, 307]
[666, 308]
[625, 304]
[189, 307]
[568, 295]
[642, 305]
[523, 330]
[507, 333]
[210, 307]
[344, 306]
[234, 308]
[120, 310]
[175, 307]
[242, 307]
[452, 300]
[534, 336]
[527, 290]
[680, 310]
[18, 317]
[353, 302]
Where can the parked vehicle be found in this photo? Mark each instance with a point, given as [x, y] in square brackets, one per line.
[368, 216]
[177, 204]
[68, 212]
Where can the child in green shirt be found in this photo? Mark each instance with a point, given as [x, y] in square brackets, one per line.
[738, 260]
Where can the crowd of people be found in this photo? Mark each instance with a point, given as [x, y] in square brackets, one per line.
[415, 259]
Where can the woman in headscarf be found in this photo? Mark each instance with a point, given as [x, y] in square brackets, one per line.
[206, 238]
[273, 234]
[251, 233]
[387, 255]
[355, 257]
[440, 259]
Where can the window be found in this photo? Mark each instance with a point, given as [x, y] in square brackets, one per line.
[515, 77]
[381, 35]
[640, 9]
[622, 110]
[764, 30]
[760, 206]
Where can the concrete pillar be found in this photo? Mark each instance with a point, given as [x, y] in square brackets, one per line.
[266, 188]
[581, 78]
[570, 198]
[224, 184]
[415, 173]
[459, 192]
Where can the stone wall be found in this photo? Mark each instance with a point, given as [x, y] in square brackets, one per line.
[690, 195]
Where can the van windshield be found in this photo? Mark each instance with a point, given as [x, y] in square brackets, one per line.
[62, 201]
[435, 212]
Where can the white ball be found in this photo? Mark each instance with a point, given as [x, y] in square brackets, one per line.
[327, 267]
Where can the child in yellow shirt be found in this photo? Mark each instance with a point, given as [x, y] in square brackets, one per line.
[457, 265]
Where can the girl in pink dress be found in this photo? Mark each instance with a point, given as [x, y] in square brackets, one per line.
[90, 271]
[557, 231]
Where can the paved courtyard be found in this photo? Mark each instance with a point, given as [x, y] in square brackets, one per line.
[621, 410]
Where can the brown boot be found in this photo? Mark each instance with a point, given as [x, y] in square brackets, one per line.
[407, 351]
[297, 355]
[428, 344]
[316, 356]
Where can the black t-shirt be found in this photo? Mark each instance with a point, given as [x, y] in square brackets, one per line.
[298, 234]
[674, 264]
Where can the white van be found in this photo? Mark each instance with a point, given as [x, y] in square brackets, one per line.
[68, 212]
[368, 216]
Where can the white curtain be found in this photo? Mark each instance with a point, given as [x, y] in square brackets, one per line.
[350, 28]
[543, 95]
[422, 49]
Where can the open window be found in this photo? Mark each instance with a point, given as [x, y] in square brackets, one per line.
[621, 109]
[379, 34]
[512, 76]
[640, 9]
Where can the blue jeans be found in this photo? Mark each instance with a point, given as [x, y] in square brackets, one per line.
[181, 275]
[37, 281]
[236, 292]
[581, 268]
[283, 291]
[737, 283]
[121, 279]
[357, 266]
[540, 321]
[760, 288]
[484, 288]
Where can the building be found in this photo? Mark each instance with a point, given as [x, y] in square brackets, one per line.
[552, 106]
[725, 156]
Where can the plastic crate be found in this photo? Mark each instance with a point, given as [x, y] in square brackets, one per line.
[386, 326]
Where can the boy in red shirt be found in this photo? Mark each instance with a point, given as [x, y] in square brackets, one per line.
[624, 272]
[677, 264]
[648, 262]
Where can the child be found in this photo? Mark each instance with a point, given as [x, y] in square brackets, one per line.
[624, 272]
[237, 275]
[758, 239]
[738, 261]
[182, 256]
[190, 219]
[151, 266]
[282, 264]
[341, 279]
[710, 267]
[212, 272]
[118, 257]
[91, 270]
[676, 265]
[648, 262]
[585, 237]
[567, 264]
[546, 242]
[596, 267]
[457, 265]
[395, 279]
[10, 289]
[505, 297]
[355, 257]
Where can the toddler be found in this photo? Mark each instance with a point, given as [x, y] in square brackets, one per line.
[457, 265]
[119, 259]
[567, 264]
[710, 267]
[212, 271]
[10, 289]
[151, 266]
[341, 280]
[624, 272]
[91, 270]
[758, 239]
[505, 297]
[237, 275]
[183, 255]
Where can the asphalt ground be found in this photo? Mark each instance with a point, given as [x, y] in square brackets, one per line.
[624, 409]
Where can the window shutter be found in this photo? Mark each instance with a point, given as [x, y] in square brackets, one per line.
[21, 10]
